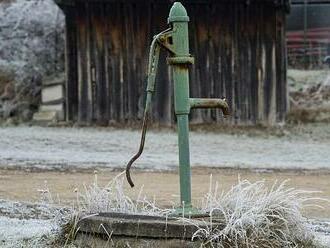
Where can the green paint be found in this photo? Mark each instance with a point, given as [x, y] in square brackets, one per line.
[180, 61]
[179, 19]
[176, 41]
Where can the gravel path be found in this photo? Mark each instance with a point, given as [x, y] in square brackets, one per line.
[88, 147]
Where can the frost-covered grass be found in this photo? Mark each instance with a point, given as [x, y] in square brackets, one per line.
[255, 215]
[248, 215]
[112, 198]
[96, 199]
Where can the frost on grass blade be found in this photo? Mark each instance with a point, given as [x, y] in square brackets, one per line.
[254, 215]
[248, 215]
[112, 198]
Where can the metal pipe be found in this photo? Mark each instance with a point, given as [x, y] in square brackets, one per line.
[179, 62]
[210, 103]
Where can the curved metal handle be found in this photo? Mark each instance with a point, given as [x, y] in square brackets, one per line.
[138, 154]
[159, 40]
[152, 71]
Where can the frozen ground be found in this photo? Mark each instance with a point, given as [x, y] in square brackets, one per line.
[35, 226]
[26, 225]
[24, 233]
[29, 225]
[67, 148]
[323, 230]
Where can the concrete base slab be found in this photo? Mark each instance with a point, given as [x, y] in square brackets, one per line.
[49, 114]
[139, 230]
[45, 116]
[95, 241]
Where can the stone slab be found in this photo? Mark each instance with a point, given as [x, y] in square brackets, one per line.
[53, 107]
[52, 93]
[95, 241]
[139, 226]
[45, 116]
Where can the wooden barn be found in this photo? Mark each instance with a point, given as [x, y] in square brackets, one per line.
[239, 48]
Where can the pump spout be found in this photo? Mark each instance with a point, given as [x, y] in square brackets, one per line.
[210, 103]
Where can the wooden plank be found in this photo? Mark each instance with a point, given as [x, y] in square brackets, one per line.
[195, 86]
[113, 41]
[237, 52]
[71, 86]
[253, 27]
[91, 65]
[261, 67]
[215, 27]
[101, 87]
[282, 90]
[163, 100]
[84, 90]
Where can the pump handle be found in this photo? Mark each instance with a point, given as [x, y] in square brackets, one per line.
[138, 154]
[152, 71]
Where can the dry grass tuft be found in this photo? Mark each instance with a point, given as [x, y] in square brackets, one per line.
[254, 215]
[250, 215]
[112, 198]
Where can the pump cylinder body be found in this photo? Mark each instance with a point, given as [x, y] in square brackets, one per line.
[178, 18]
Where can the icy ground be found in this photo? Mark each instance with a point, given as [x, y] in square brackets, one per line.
[16, 232]
[26, 225]
[322, 229]
[29, 225]
[67, 148]
[37, 226]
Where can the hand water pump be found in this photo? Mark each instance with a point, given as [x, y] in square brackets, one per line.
[175, 41]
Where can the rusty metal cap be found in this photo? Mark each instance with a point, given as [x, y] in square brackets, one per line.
[178, 13]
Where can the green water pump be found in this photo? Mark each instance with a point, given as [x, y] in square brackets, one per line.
[175, 40]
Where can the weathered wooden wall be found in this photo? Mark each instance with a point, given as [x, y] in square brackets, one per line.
[239, 50]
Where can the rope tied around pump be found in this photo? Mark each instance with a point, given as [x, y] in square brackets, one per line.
[152, 71]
